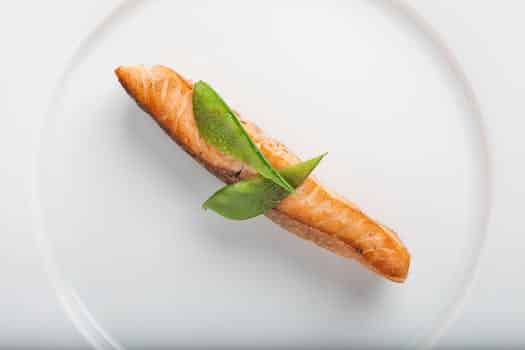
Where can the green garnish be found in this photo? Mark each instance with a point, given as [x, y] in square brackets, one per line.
[219, 127]
[249, 198]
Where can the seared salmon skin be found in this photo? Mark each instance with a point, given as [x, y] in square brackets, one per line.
[312, 212]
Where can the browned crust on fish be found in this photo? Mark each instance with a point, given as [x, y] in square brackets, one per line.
[322, 239]
[391, 260]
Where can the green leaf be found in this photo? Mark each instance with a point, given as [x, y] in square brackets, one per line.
[249, 198]
[219, 127]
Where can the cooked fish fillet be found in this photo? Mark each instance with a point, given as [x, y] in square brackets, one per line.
[312, 212]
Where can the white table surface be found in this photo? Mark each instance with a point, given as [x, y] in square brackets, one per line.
[487, 38]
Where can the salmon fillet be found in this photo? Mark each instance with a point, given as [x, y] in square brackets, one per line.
[312, 212]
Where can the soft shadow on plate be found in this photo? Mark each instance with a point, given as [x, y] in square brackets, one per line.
[258, 238]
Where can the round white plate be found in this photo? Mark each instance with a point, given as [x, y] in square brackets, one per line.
[137, 263]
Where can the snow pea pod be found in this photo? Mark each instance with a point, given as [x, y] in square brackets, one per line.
[219, 127]
[249, 198]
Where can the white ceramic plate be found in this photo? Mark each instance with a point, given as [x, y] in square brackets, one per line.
[137, 263]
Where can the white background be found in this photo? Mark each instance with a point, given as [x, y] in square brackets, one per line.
[38, 38]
